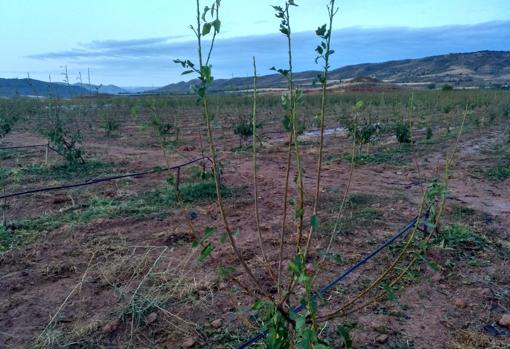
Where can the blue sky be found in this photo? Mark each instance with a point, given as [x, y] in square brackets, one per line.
[133, 42]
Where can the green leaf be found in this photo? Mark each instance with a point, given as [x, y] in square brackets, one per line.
[321, 30]
[208, 232]
[187, 72]
[225, 272]
[204, 13]
[432, 265]
[206, 29]
[217, 25]
[346, 338]
[206, 251]
[297, 265]
[390, 293]
[300, 322]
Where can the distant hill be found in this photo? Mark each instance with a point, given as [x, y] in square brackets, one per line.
[103, 89]
[459, 69]
[484, 68]
[32, 87]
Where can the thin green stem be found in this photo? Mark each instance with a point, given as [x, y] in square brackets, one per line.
[255, 186]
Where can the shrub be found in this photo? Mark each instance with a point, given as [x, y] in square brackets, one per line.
[5, 127]
[430, 133]
[244, 129]
[403, 133]
[110, 125]
[66, 142]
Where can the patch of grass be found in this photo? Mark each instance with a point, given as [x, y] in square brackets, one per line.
[461, 238]
[358, 213]
[354, 219]
[155, 202]
[391, 156]
[90, 168]
[360, 199]
[499, 172]
[5, 239]
[35, 173]
[7, 154]
[462, 213]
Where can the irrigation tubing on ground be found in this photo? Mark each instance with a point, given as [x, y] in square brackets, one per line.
[100, 180]
[323, 290]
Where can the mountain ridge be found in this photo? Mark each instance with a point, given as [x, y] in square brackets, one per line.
[481, 68]
[471, 69]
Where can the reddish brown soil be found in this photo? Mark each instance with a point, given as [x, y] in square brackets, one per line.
[78, 270]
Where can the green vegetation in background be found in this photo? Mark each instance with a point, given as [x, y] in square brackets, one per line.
[435, 109]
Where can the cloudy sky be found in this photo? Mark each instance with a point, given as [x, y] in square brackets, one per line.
[133, 42]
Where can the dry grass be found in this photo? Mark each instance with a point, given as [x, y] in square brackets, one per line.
[474, 340]
[152, 287]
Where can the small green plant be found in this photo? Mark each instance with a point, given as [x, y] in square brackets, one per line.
[500, 172]
[8, 117]
[5, 238]
[447, 87]
[403, 133]
[164, 129]
[460, 237]
[65, 141]
[244, 129]
[361, 129]
[110, 125]
[63, 132]
[429, 134]
[5, 126]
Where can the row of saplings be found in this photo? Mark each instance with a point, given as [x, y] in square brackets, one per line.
[65, 138]
[361, 129]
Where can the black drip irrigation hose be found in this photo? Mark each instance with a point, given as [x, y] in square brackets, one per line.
[323, 290]
[100, 180]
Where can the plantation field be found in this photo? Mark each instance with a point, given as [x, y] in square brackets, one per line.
[124, 263]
